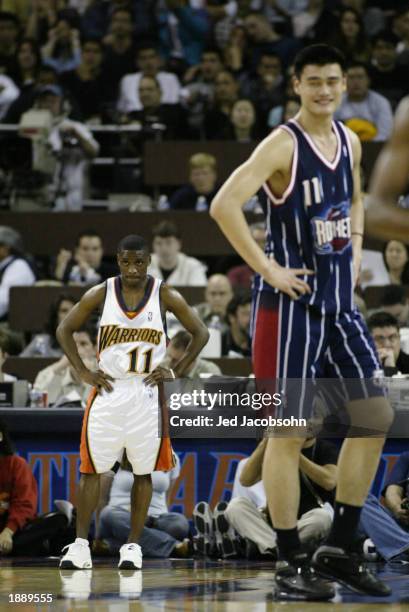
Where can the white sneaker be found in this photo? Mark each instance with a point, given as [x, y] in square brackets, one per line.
[130, 557]
[78, 556]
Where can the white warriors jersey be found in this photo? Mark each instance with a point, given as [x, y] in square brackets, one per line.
[131, 343]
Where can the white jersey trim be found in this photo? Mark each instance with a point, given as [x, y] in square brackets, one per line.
[331, 165]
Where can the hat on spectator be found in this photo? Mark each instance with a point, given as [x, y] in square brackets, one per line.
[54, 90]
[11, 238]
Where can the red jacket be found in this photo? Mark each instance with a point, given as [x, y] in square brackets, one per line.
[18, 492]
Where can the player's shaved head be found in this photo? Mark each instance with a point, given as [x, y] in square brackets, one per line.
[133, 243]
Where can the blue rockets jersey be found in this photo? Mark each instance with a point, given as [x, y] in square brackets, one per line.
[310, 225]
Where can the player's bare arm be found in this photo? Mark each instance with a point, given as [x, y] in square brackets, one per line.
[271, 161]
[75, 319]
[357, 207]
[390, 175]
[174, 302]
[323, 475]
[251, 473]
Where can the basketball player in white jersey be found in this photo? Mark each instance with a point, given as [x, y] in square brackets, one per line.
[124, 408]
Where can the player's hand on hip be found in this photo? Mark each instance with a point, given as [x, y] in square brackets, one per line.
[158, 375]
[287, 280]
[98, 379]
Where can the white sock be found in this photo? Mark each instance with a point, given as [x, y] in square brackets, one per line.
[81, 541]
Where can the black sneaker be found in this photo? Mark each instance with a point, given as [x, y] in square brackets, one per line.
[295, 580]
[349, 570]
[203, 540]
[226, 539]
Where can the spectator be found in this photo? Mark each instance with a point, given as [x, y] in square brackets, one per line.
[42, 18]
[236, 339]
[351, 39]
[175, 351]
[28, 64]
[4, 353]
[226, 94]
[266, 88]
[169, 263]
[9, 31]
[65, 153]
[46, 344]
[46, 76]
[87, 83]
[264, 39]
[202, 184]
[8, 94]
[183, 31]
[62, 50]
[164, 534]
[241, 276]
[217, 296]
[119, 56]
[387, 78]
[18, 494]
[15, 271]
[364, 111]
[171, 116]
[385, 331]
[199, 90]
[315, 22]
[401, 29]
[396, 257]
[396, 491]
[395, 302]
[236, 50]
[60, 379]
[86, 265]
[282, 114]
[149, 64]
[243, 122]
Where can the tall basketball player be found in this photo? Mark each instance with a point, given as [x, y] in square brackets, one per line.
[124, 409]
[305, 323]
[390, 179]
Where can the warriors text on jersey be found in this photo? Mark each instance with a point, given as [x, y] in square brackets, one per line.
[310, 225]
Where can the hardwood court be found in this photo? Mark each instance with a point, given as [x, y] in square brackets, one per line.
[191, 585]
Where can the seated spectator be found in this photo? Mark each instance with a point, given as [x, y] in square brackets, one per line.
[183, 31]
[199, 89]
[235, 52]
[395, 302]
[18, 494]
[153, 111]
[364, 111]
[8, 94]
[62, 50]
[175, 351]
[149, 64]
[15, 271]
[282, 114]
[226, 94]
[64, 154]
[9, 34]
[401, 29]
[249, 516]
[28, 64]
[46, 345]
[396, 491]
[87, 83]
[119, 49]
[4, 353]
[200, 191]
[266, 87]
[236, 339]
[218, 294]
[396, 257]
[243, 122]
[241, 276]
[263, 39]
[45, 76]
[85, 266]
[164, 534]
[387, 78]
[168, 262]
[385, 332]
[60, 379]
[315, 22]
[350, 37]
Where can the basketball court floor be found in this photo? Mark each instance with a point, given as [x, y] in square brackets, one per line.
[180, 585]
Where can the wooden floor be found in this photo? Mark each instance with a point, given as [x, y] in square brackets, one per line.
[191, 585]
